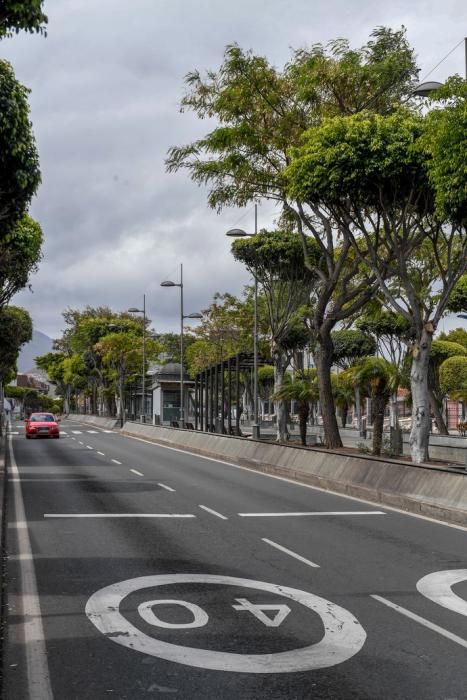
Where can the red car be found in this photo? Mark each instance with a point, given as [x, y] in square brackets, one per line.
[42, 425]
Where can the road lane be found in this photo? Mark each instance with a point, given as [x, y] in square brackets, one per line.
[358, 556]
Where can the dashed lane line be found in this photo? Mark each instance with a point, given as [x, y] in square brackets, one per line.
[89, 447]
[119, 515]
[214, 512]
[115, 461]
[164, 486]
[135, 471]
[100, 453]
[305, 513]
[290, 553]
[422, 621]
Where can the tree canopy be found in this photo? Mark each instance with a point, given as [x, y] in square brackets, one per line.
[19, 257]
[19, 15]
[15, 330]
[19, 164]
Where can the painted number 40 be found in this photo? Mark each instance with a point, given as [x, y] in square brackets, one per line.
[259, 611]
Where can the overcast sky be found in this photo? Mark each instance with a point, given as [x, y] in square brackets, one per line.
[106, 85]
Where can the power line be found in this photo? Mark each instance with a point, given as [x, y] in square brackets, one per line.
[443, 59]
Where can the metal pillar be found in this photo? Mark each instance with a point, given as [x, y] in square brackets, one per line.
[229, 392]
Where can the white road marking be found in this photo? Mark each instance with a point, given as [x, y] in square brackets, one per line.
[214, 512]
[100, 453]
[13, 432]
[422, 621]
[115, 461]
[119, 515]
[36, 655]
[73, 438]
[438, 588]
[164, 486]
[289, 551]
[89, 447]
[77, 432]
[343, 634]
[106, 431]
[81, 443]
[200, 616]
[293, 515]
[295, 482]
[92, 432]
[135, 471]
[63, 432]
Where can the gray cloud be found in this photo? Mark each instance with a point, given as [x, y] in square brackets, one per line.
[106, 86]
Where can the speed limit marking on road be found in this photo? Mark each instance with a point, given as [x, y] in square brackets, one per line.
[343, 634]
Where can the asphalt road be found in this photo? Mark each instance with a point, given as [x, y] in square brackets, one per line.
[137, 571]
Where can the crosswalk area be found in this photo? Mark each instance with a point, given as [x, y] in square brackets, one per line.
[67, 432]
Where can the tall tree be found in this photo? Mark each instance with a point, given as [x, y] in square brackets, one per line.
[350, 345]
[276, 260]
[377, 177]
[262, 112]
[15, 330]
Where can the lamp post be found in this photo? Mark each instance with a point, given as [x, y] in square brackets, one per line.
[134, 310]
[169, 283]
[240, 233]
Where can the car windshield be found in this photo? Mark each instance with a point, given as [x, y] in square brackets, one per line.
[42, 418]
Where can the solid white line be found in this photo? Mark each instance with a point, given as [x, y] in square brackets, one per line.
[135, 471]
[100, 453]
[287, 515]
[422, 621]
[119, 515]
[36, 655]
[214, 512]
[294, 482]
[164, 486]
[289, 551]
[89, 447]
[115, 461]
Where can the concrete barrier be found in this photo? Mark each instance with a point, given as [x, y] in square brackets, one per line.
[99, 421]
[427, 490]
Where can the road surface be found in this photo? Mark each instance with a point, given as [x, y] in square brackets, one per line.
[138, 571]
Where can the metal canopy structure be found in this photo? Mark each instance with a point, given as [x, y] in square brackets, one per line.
[215, 387]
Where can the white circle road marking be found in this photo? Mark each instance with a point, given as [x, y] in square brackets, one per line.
[438, 588]
[200, 617]
[343, 634]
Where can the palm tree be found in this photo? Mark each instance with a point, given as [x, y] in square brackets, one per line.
[343, 393]
[379, 379]
[303, 390]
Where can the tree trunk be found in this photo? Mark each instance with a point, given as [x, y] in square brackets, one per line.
[379, 404]
[280, 406]
[303, 413]
[323, 365]
[421, 421]
[344, 412]
[438, 416]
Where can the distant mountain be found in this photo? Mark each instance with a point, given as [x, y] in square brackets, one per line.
[39, 345]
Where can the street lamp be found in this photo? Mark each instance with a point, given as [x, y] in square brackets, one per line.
[134, 310]
[240, 233]
[169, 283]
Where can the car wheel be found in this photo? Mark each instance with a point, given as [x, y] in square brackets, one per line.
[28, 437]
[56, 437]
